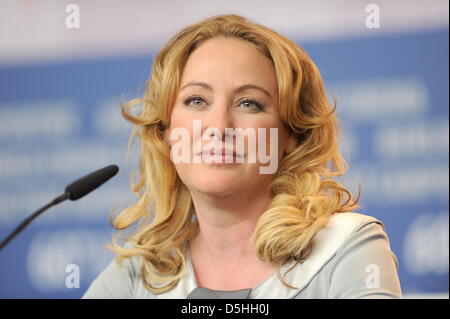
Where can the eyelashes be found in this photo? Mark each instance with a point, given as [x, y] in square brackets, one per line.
[255, 104]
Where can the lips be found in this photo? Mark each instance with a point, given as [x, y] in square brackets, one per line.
[220, 152]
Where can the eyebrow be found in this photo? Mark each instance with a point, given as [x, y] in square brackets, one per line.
[237, 90]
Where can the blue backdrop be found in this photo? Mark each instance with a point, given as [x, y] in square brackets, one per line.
[61, 121]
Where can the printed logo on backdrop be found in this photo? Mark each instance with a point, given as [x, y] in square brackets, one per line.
[426, 246]
[59, 260]
[400, 139]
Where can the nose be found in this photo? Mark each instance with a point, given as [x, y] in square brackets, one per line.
[218, 119]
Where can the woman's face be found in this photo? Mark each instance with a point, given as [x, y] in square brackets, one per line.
[209, 101]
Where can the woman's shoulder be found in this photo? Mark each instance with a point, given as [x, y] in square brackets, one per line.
[336, 266]
[342, 226]
[354, 246]
[364, 265]
[120, 279]
[340, 229]
[342, 253]
[351, 221]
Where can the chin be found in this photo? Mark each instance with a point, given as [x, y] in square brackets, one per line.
[215, 182]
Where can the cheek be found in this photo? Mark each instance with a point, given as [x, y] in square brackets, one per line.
[275, 135]
[275, 141]
[183, 171]
[179, 121]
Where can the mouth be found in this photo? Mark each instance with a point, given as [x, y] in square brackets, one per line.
[219, 152]
[223, 156]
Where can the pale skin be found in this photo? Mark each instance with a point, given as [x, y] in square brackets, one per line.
[228, 198]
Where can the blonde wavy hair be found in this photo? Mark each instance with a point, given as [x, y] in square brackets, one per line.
[303, 195]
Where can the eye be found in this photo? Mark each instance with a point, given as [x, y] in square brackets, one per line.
[196, 99]
[252, 104]
[248, 104]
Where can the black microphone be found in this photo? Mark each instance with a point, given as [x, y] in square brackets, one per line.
[74, 191]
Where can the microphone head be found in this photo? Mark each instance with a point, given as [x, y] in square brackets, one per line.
[88, 183]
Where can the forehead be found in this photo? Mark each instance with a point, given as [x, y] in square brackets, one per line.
[229, 59]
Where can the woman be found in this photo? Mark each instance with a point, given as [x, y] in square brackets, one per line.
[215, 229]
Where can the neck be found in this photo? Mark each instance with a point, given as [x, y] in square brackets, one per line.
[226, 224]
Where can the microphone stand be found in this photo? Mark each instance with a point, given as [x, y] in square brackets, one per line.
[74, 191]
[28, 220]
